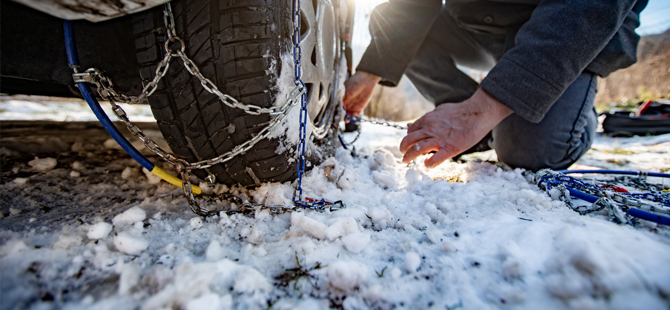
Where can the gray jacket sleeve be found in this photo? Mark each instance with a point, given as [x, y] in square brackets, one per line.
[406, 21]
[558, 42]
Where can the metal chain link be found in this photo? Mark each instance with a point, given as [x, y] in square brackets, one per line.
[346, 144]
[615, 202]
[108, 92]
[358, 119]
[175, 47]
[298, 201]
[297, 80]
[183, 166]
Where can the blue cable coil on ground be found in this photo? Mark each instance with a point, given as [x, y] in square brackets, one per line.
[630, 202]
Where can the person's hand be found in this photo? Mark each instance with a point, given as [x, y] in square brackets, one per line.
[452, 128]
[359, 89]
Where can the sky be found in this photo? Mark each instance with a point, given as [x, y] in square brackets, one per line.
[655, 18]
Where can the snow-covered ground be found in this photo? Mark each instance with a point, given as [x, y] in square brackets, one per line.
[88, 229]
[20, 107]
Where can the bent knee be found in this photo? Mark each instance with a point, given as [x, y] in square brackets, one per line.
[530, 159]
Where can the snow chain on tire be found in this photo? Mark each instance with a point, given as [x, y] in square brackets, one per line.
[175, 47]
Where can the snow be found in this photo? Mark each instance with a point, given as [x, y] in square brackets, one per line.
[210, 301]
[214, 251]
[99, 231]
[62, 109]
[345, 276]
[356, 242]
[151, 178]
[196, 222]
[67, 241]
[130, 277]
[20, 181]
[13, 247]
[289, 129]
[342, 226]
[315, 228]
[469, 235]
[128, 173]
[43, 164]
[78, 166]
[412, 262]
[129, 244]
[130, 216]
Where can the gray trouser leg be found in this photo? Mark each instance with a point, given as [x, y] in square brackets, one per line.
[433, 70]
[560, 139]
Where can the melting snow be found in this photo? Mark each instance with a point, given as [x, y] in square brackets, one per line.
[468, 235]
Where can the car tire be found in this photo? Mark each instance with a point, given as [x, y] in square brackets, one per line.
[238, 45]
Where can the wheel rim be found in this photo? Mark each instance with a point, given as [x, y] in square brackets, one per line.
[320, 55]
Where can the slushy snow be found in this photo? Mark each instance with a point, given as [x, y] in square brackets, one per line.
[130, 216]
[129, 244]
[463, 235]
[99, 230]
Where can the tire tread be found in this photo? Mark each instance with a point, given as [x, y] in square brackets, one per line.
[233, 44]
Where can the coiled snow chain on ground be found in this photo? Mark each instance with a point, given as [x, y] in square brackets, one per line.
[621, 205]
[175, 47]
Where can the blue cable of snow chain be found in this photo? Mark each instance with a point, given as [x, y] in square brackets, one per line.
[344, 145]
[653, 217]
[639, 173]
[581, 195]
[73, 60]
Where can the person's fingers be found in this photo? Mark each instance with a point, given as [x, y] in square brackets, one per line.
[350, 95]
[354, 109]
[351, 104]
[439, 157]
[410, 139]
[414, 126]
[352, 91]
[357, 94]
[419, 123]
[420, 148]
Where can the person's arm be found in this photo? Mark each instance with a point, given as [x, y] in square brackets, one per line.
[552, 49]
[452, 128]
[398, 29]
[558, 42]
